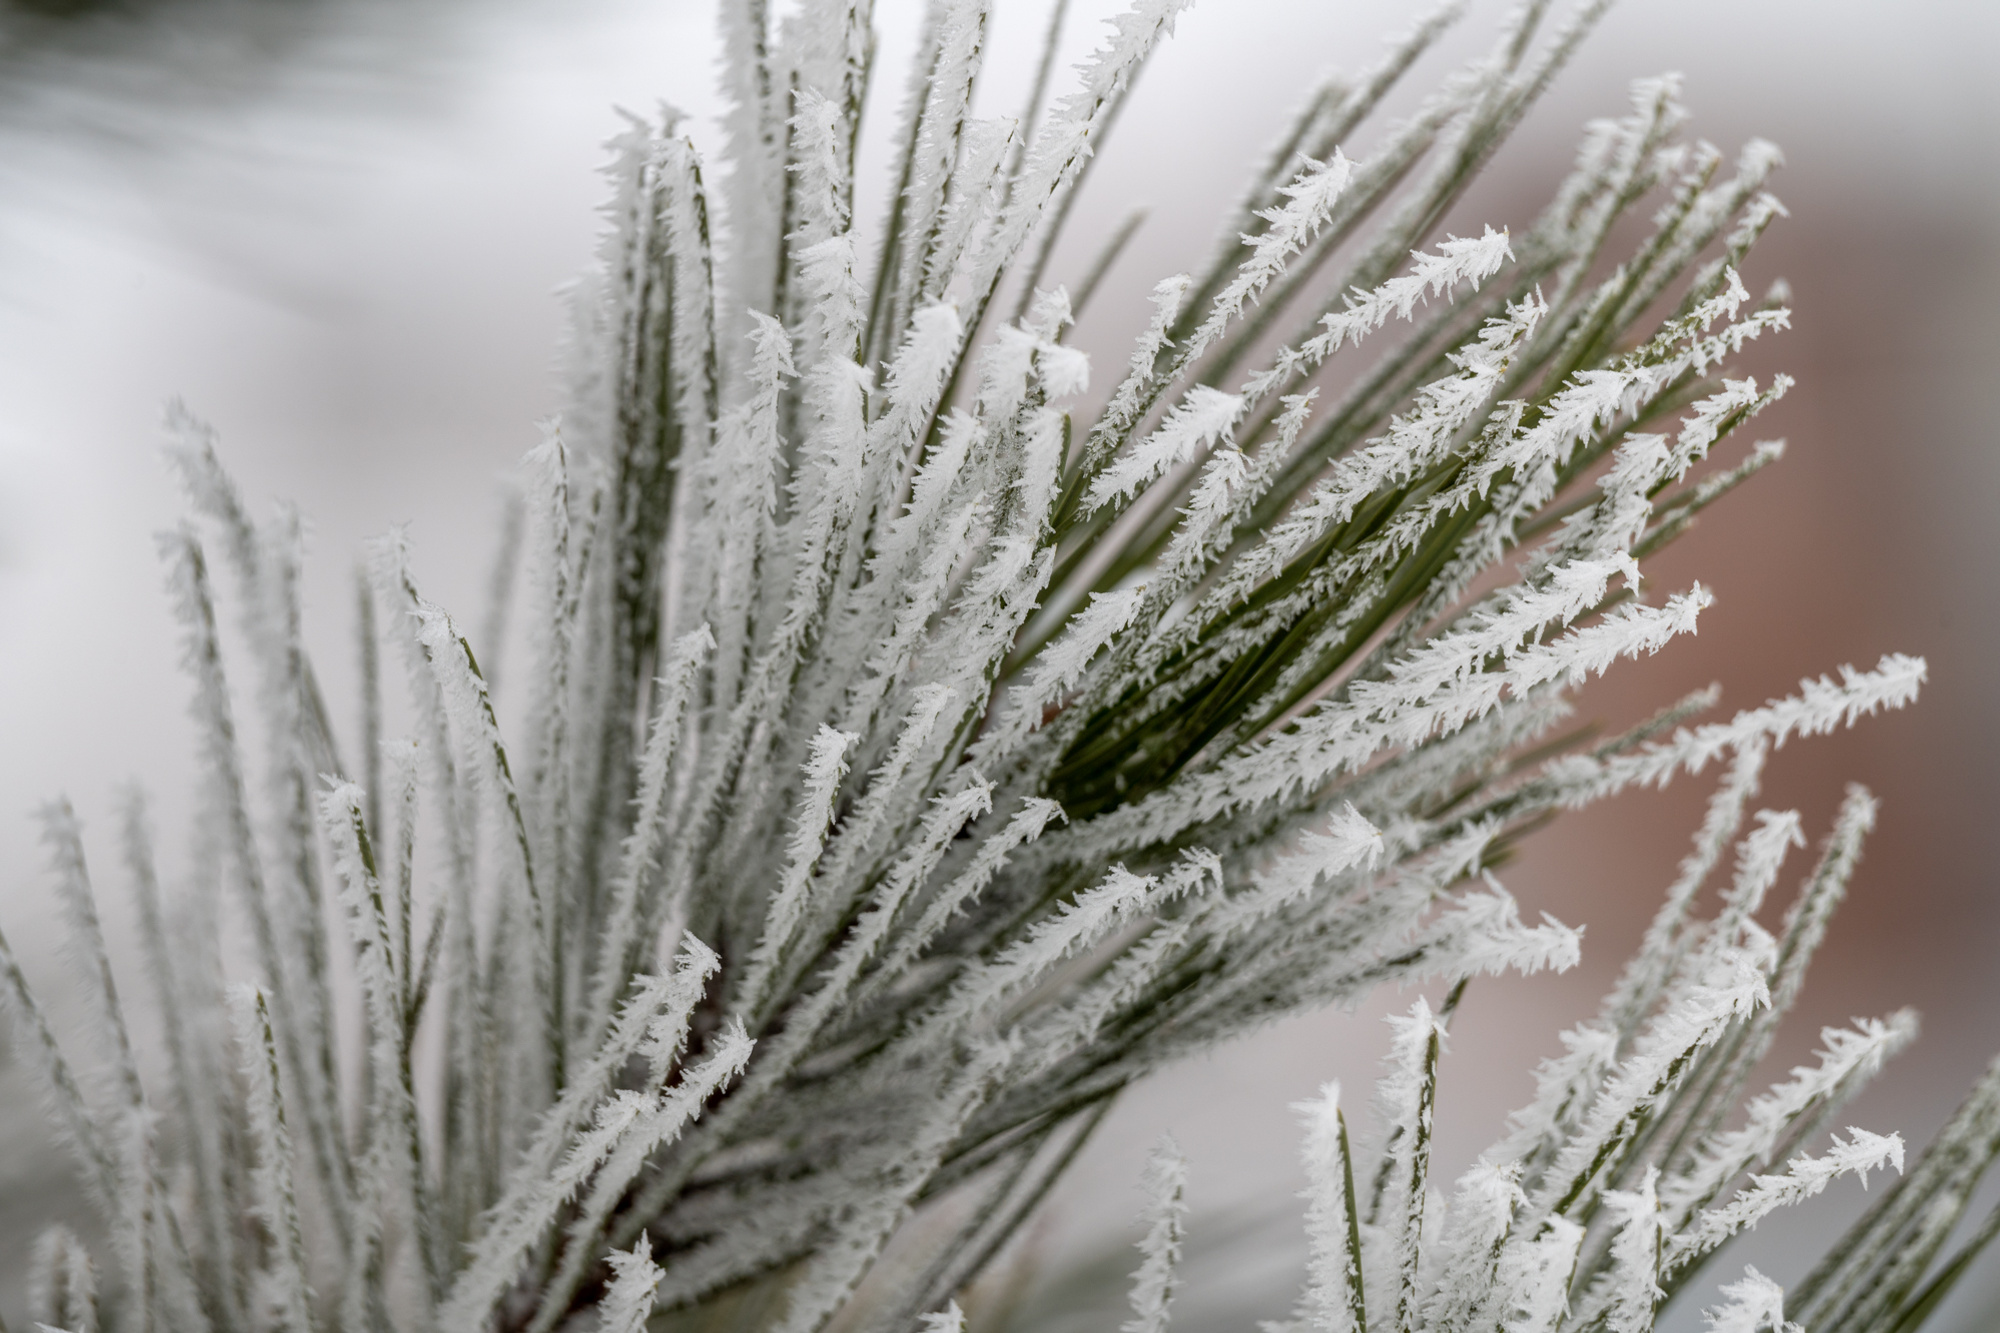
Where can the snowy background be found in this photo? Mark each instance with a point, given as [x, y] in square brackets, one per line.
[338, 230]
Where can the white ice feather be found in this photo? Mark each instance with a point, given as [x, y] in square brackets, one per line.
[1165, 1218]
[1202, 420]
[1754, 1304]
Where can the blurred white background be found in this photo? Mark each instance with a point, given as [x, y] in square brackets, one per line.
[339, 229]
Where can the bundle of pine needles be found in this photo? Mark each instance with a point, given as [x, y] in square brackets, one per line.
[913, 759]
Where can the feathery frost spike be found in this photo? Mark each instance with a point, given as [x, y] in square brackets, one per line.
[284, 1294]
[1479, 1223]
[1821, 705]
[556, 1160]
[1407, 1094]
[62, 1283]
[964, 889]
[1196, 424]
[1861, 1153]
[639, 856]
[1165, 1217]
[944, 97]
[1215, 501]
[391, 1172]
[79, 904]
[1063, 145]
[1734, 991]
[823, 774]
[1058, 668]
[816, 143]
[1755, 1305]
[1805, 924]
[1289, 228]
[1041, 466]
[828, 269]
[79, 1126]
[130, 1136]
[1482, 935]
[1634, 1288]
[1073, 928]
[628, 1301]
[1851, 1056]
[1564, 1087]
[1133, 392]
[1648, 969]
[975, 198]
[1459, 260]
[1333, 1301]
[469, 706]
[630, 1129]
[1534, 1280]
[929, 704]
[1350, 841]
[805, 1022]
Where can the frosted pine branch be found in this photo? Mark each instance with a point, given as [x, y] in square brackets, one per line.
[915, 753]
